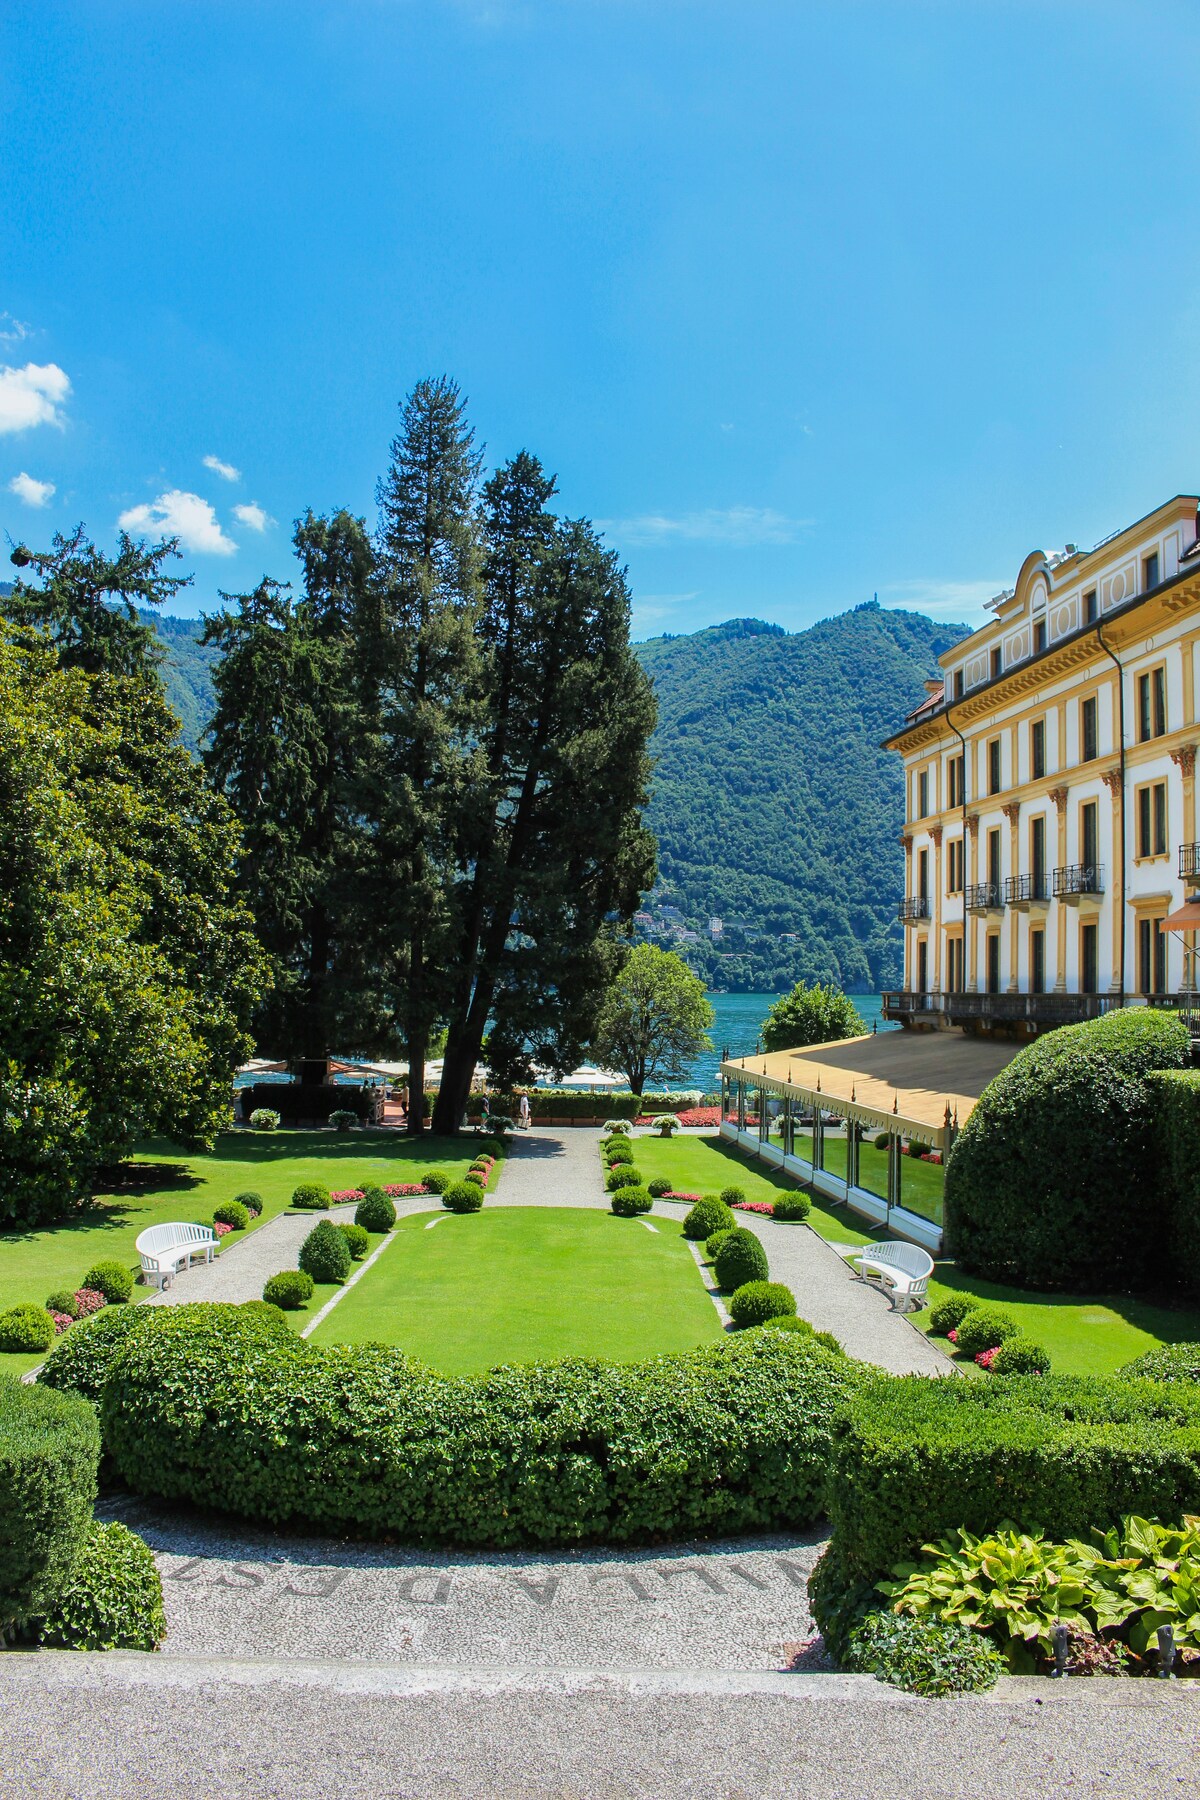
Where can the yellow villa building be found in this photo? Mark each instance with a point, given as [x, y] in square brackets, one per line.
[1052, 850]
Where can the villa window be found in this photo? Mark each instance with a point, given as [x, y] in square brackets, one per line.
[1152, 957]
[923, 874]
[1039, 636]
[1089, 959]
[954, 781]
[954, 866]
[1152, 705]
[997, 663]
[1089, 734]
[1037, 962]
[1150, 571]
[1152, 819]
[1090, 609]
[922, 794]
[1037, 749]
[994, 766]
[954, 965]
[1089, 834]
[958, 684]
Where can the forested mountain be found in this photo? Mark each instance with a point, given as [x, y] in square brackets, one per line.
[776, 811]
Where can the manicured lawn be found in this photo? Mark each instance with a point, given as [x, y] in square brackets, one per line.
[1085, 1335]
[527, 1284]
[166, 1183]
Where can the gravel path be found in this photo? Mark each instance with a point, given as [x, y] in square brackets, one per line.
[122, 1727]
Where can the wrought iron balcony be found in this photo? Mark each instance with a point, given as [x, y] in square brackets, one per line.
[1026, 890]
[983, 896]
[1189, 862]
[1040, 1011]
[1077, 879]
[917, 906]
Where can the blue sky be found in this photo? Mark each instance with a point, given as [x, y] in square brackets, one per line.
[802, 302]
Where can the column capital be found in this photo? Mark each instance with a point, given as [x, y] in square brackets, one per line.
[1012, 811]
[1112, 781]
[936, 835]
[1060, 796]
[973, 825]
[1185, 759]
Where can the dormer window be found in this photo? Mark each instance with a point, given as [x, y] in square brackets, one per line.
[1090, 609]
[1039, 636]
[997, 663]
[1150, 571]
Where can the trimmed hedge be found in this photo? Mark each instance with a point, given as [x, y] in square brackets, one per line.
[658, 1187]
[755, 1302]
[740, 1259]
[311, 1196]
[791, 1209]
[231, 1212]
[629, 1202]
[294, 1101]
[26, 1327]
[949, 1314]
[463, 1197]
[325, 1254]
[49, 1453]
[569, 1103]
[363, 1441]
[714, 1241]
[620, 1150]
[622, 1175]
[358, 1240]
[1046, 1185]
[1173, 1362]
[706, 1217]
[80, 1361]
[376, 1210]
[436, 1181]
[112, 1279]
[112, 1599]
[1176, 1094]
[983, 1328]
[289, 1290]
[253, 1202]
[1020, 1356]
[918, 1458]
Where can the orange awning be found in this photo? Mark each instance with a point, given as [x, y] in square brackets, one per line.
[1184, 918]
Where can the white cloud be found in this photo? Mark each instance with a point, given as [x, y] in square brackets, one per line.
[253, 516]
[961, 599]
[32, 395]
[225, 470]
[12, 331]
[737, 525]
[30, 490]
[185, 516]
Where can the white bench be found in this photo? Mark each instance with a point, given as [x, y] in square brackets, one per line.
[902, 1269]
[164, 1249]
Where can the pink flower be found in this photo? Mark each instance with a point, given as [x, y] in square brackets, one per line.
[680, 1196]
[88, 1300]
[754, 1206]
[341, 1195]
[986, 1358]
[221, 1230]
[953, 1335]
[61, 1321]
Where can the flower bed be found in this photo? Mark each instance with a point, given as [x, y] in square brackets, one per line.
[691, 1199]
[395, 1190]
[699, 1115]
[755, 1206]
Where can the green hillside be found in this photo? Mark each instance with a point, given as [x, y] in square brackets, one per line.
[775, 809]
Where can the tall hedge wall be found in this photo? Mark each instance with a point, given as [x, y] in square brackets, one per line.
[49, 1451]
[1177, 1170]
[205, 1404]
[1052, 1182]
[919, 1458]
[569, 1103]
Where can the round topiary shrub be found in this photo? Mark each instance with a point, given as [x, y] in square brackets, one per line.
[791, 1209]
[26, 1327]
[733, 1196]
[80, 1361]
[290, 1289]
[983, 1328]
[252, 1202]
[358, 1240]
[62, 1300]
[1173, 1362]
[628, 1202]
[311, 1196]
[112, 1599]
[789, 1322]
[757, 1301]
[231, 1212]
[463, 1197]
[490, 1146]
[341, 1120]
[740, 1259]
[1020, 1356]
[473, 1180]
[714, 1241]
[264, 1309]
[435, 1181]
[1046, 1184]
[376, 1210]
[658, 1187]
[49, 1452]
[949, 1314]
[619, 1151]
[263, 1119]
[706, 1217]
[112, 1279]
[324, 1254]
[622, 1175]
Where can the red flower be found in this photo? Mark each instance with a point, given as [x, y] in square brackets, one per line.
[953, 1335]
[88, 1300]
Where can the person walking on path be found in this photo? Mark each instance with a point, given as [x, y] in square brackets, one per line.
[523, 1111]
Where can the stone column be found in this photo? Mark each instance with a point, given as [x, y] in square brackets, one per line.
[970, 877]
[935, 929]
[1012, 813]
[909, 939]
[1112, 781]
[1185, 758]
[1059, 797]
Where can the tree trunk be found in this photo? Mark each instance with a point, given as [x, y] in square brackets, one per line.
[462, 1053]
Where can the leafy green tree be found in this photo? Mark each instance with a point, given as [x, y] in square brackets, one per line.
[654, 1019]
[128, 968]
[553, 841]
[810, 1015]
[87, 603]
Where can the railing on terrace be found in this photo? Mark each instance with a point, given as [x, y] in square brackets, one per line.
[1189, 862]
[983, 896]
[1025, 890]
[915, 907]
[1078, 878]
[1002, 1009]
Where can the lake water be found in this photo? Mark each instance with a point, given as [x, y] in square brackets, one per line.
[739, 1020]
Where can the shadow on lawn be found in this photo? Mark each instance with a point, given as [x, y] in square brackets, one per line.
[1165, 1316]
[333, 1146]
